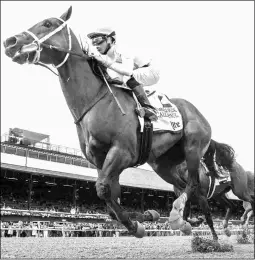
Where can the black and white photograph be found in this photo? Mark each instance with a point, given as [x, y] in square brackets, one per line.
[127, 129]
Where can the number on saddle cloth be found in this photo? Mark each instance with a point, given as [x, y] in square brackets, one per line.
[94, 64]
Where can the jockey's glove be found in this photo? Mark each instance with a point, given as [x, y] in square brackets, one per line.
[123, 69]
[93, 52]
[104, 60]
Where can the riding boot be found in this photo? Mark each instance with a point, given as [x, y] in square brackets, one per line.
[147, 109]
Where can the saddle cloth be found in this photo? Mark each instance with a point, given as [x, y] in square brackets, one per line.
[169, 117]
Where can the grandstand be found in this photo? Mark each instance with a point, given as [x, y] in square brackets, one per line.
[45, 182]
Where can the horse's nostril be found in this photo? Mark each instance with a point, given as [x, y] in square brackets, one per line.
[10, 42]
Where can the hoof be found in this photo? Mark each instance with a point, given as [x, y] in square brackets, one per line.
[186, 228]
[227, 232]
[242, 220]
[245, 227]
[154, 215]
[225, 224]
[175, 220]
[140, 230]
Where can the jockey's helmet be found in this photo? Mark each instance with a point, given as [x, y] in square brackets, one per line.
[100, 34]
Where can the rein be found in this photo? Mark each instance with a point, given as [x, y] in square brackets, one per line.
[83, 56]
[40, 43]
[64, 50]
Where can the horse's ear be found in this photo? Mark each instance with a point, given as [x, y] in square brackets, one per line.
[67, 14]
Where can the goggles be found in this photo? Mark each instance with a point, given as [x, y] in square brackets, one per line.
[98, 40]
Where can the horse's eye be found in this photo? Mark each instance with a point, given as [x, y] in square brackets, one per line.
[47, 24]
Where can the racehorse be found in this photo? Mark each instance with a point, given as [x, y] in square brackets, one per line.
[110, 140]
[241, 183]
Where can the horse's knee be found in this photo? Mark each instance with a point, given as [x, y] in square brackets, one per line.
[103, 191]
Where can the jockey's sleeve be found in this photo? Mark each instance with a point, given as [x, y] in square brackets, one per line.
[124, 68]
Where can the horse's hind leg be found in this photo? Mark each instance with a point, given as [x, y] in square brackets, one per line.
[166, 169]
[248, 212]
[197, 140]
[246, 224]
[203, 202]
[229, 205]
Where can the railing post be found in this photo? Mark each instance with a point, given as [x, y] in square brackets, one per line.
[26, 156]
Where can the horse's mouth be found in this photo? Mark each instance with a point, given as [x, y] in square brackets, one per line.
[20, 58]
[23, 58]
[24, 54]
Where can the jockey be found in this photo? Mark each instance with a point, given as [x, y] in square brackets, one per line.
[139, 72]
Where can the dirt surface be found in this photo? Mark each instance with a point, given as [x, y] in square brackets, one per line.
[114, 247]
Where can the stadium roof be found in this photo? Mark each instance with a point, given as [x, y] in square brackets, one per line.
[26, 134]
[132, 177]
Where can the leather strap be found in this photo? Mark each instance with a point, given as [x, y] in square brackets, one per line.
[102, 93]
[146, 142]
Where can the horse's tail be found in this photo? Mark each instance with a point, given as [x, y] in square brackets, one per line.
[222, 154]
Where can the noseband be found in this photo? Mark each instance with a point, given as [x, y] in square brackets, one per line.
[41, 41]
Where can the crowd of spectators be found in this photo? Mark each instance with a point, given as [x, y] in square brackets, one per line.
[52, 229]
[68, 229]
[18, 206]
[61, 208]
[82, 210]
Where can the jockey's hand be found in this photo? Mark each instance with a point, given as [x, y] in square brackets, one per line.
[103, 59]
[92, 51]
[89, 49]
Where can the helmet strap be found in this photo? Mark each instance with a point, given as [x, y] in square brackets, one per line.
[107, 48]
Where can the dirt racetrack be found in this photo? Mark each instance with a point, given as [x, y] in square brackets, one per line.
[114, 247]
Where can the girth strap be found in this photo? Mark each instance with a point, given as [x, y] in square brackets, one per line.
[146, 142]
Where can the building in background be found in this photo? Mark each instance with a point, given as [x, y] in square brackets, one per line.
[39, 177]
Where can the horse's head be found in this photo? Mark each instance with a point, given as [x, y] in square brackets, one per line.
[29, 46]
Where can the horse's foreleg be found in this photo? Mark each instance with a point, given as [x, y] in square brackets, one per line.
[149, 215]
[186, 211]
[116, 161]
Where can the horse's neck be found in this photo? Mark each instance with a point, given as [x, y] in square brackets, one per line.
[79, 85]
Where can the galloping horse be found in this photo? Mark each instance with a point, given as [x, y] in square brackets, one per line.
[241, 184]
[110, 140]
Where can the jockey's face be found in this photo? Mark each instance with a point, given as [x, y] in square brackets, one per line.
[103, 46]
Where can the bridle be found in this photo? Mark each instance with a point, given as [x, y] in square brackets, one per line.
[40, 43]
[36, 60]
